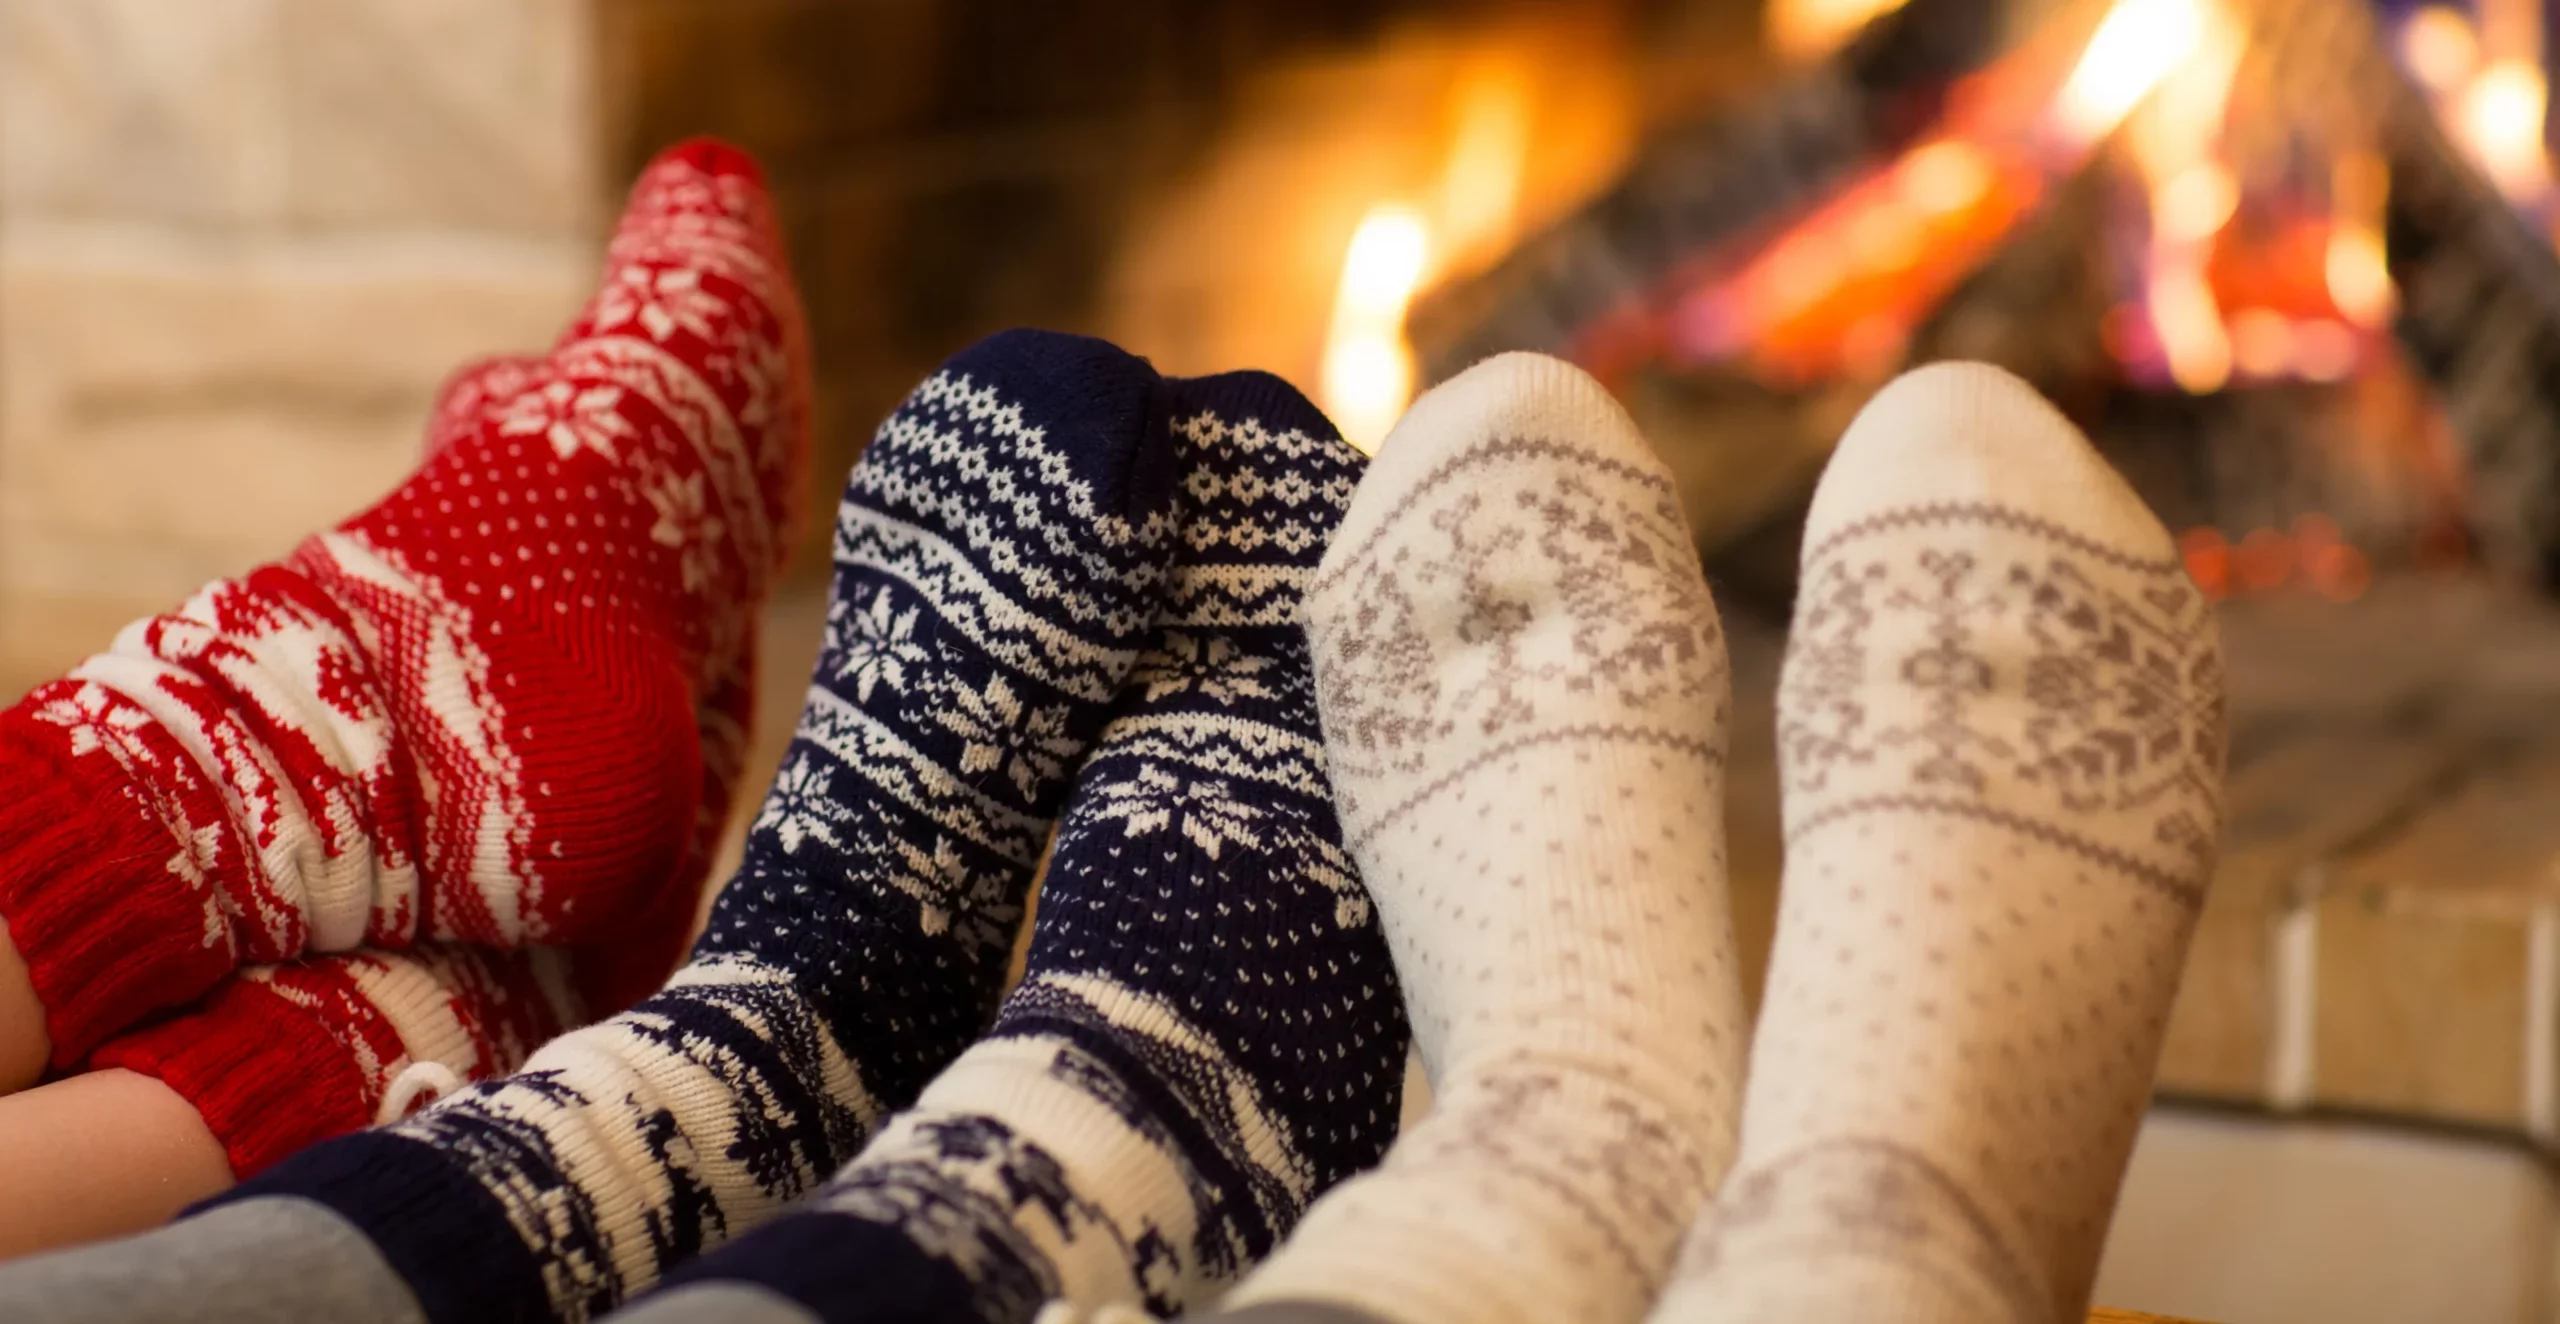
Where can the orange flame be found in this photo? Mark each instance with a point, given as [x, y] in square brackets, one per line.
[1804, 30]
[1368, 368]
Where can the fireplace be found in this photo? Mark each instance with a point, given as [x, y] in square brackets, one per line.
[2288, 260]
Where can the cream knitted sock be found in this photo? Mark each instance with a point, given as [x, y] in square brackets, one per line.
[1523, 688]
[2001, 731]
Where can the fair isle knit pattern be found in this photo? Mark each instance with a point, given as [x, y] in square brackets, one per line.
[1208, 1033]
[498, 707]
[1524, 690]
[2000, 734]
[999, 552]
[281, 1057]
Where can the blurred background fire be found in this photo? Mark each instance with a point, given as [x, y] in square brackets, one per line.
[2290, 262]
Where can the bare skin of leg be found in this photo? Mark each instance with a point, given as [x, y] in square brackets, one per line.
[100, 1155]
[24, 1046]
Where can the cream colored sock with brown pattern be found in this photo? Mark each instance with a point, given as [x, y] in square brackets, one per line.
[1523, 687]
[2000, 727]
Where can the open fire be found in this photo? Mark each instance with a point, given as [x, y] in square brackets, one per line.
[2200, 159]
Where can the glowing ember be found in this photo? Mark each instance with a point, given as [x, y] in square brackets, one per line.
[1945, 177]
[1811, 29]
[1368, 369]
[2136, 45]
[2189, 324]
[2440, 48]
[2194, 204]
[2311, 553]
[2499, 117]
[2175, 144]
[2357, 266]
[2261, 342]
[1480, 188]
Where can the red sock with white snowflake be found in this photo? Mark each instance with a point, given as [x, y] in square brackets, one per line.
[282, 1057]
[498, 707]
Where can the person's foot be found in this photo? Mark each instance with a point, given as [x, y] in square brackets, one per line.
[476, 711]
[1524, 690]
[1000, 554]
[1206, 1035]
[2001, 733]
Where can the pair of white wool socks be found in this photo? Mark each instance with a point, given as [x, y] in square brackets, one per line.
[2001, 736]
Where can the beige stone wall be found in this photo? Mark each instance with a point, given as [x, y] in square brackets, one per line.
[240, 243]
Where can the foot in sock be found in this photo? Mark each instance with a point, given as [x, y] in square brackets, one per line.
[476, 711]
[2001, 734]
[1524, 691]
[1000, 552]
[281, 1057]
[1207, 1033]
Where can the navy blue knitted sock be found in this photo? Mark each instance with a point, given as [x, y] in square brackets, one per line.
[1208, 1033]
[1001, 552]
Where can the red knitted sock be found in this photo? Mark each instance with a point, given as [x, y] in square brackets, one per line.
[500, 706]
[289, 1055]
[471, 391]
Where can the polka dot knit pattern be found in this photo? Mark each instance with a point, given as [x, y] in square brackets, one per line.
[1524, 691]
[2001, 734]
[504, 706]
[999, 554]
[281, 1057]
[1207, 1034]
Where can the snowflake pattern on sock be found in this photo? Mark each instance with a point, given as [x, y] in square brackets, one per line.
[505, 705]
[1005, 537]
[1208, 1034]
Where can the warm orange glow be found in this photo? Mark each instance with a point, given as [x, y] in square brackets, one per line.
[2263, 561]
[2189, 324]
[1943, 177]
[1886, 238]
[2499, 118]
[2312, 552]
[2261, 342]
[1480, 188]
[1367, 374]
[2136, 45]
[2333, 568]
[2440, 48]
[1840, 292]
[2195, 203]
[2175, 140]
[1811, 29]
[2323, 350]
[2208, 559]
[2360, 276]
[2338, 572]
[1368, 368]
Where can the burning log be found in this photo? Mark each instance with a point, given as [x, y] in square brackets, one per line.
[1699, 188]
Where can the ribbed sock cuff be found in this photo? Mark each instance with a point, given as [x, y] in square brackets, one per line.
[437, 1227]
[109, 932]
[267, 1077]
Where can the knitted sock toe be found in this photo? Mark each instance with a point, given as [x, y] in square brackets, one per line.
[2001, 734]
[1206, 1035]
[999, 555]
[1524, 690]
[472, 712]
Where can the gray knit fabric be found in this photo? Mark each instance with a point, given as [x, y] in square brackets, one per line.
[717, 1303]
[1294, 1312]
[274, 1261]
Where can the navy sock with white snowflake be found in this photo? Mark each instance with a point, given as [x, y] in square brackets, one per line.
[1001, 553]
[1208, 1032]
